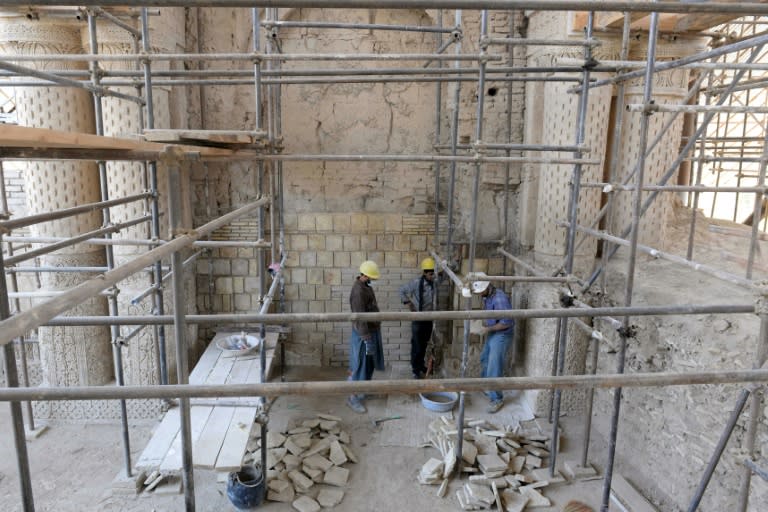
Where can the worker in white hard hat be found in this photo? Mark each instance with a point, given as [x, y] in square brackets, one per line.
[418, 295]
[365, 352]
[499, 336]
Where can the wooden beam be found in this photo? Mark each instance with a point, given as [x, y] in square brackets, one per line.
[42, 142]
[699, 22]
[615, 20]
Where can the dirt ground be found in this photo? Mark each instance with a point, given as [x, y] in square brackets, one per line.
[73, 465]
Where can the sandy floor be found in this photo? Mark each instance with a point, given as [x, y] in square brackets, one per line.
[73, 465]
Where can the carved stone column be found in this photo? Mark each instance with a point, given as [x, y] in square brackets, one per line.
[669, 87]
[71, 356]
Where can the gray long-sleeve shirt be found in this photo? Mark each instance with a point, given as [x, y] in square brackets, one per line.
[410, 292]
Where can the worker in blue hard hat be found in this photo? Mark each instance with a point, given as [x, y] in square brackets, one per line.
[366, 352]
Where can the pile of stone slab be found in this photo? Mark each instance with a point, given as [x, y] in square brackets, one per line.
[506, 467]
[305, 465]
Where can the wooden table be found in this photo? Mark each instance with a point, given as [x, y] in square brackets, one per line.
[220, 433]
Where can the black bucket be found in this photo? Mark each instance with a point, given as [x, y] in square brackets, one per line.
[245, 488]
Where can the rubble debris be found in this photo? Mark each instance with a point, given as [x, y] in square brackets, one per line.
[304, 463]
[506, 466]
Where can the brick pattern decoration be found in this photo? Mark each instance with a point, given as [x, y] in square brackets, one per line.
[324, 253]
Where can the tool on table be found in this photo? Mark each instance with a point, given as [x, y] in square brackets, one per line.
[376, 422]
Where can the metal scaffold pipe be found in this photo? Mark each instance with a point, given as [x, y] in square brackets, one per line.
[44, 312]
[276, 389]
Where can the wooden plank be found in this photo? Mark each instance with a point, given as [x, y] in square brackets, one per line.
[628, 495]
[205, 364]
[236, 440]
[206, 449]
[172, 462]
[161, 441]
[204, 136]
[13, 136]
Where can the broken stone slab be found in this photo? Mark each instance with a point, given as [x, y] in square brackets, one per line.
[291, 462]
[512, 482]
[318, 462]
[350, 454]
[275, 439]
[329, 425]
[539, 452]
[491, 463]
[532, 461]
[315, 474]
[328, 417]
[432, 469]
[496, 496]
[481, 493]
[516, 464]
[171, 485]
[576, 471]
[306, 504]
[292, 447]
[278, 485]
[320, 446]
[443, 489]
[285, 496]
[543, 475]
[336, 476]
[300, 430]
[300, 480]
[155, 482]
[535, 498]
[275, 456]
[131, 484]
[303, 441]
[337, 454]
[513, 501]
[330, 497]
[344, 437]
[468, 452]
[311, 423]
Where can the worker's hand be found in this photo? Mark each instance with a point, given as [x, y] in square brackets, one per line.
[411, 307]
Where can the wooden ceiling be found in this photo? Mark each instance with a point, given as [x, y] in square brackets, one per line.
[668, 22]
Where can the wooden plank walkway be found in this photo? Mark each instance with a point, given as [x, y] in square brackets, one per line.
[219, 432]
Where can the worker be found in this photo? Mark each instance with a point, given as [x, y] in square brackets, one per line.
[366, 352]
[418, 295]
[499, 337]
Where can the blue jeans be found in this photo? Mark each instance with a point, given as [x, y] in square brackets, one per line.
[493, 357]
[361, 361]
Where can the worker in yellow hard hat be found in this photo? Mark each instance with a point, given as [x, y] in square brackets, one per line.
[366, 352]
[418, 295]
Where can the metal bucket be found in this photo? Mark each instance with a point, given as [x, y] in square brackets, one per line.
[245, 488]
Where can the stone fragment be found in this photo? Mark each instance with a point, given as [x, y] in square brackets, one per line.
[328, 417]
[311, 423]
[336, 476]
[350, 454]
[443, 489]
[576, 471]
[513, 501]
[344, 437]
[284, 496]
[275, 439]
[291, 462]
[300, 430]
[278, 485]
[432, 471]
[516, 464]
[496, 496]
[337, 455]
[320, 446]
[535, 498]
[330, 497]
[303, 441]
[315, 474]
[306, 504]
[541, 475]
[481, 493]
[491, 463]
[171, 485]
[318, 462]
[532, 461]
[329, 425]
[274, 456]
[468, 452]
[300, 480]
[292, 447]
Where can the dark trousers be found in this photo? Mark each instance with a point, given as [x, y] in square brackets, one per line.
[420, 334]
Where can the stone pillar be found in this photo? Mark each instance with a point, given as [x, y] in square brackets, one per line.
[71, 356]
[121, 119]
[669, 87]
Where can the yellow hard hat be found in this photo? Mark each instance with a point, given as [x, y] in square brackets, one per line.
[370, 268]
[428, 264]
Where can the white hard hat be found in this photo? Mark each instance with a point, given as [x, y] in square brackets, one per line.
[480, 286]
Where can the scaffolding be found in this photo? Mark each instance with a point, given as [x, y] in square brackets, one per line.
[725, 117]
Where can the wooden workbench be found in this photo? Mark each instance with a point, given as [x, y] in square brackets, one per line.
[220, 433]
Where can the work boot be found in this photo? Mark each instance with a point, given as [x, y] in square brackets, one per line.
[356, 405]
[494, 406]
